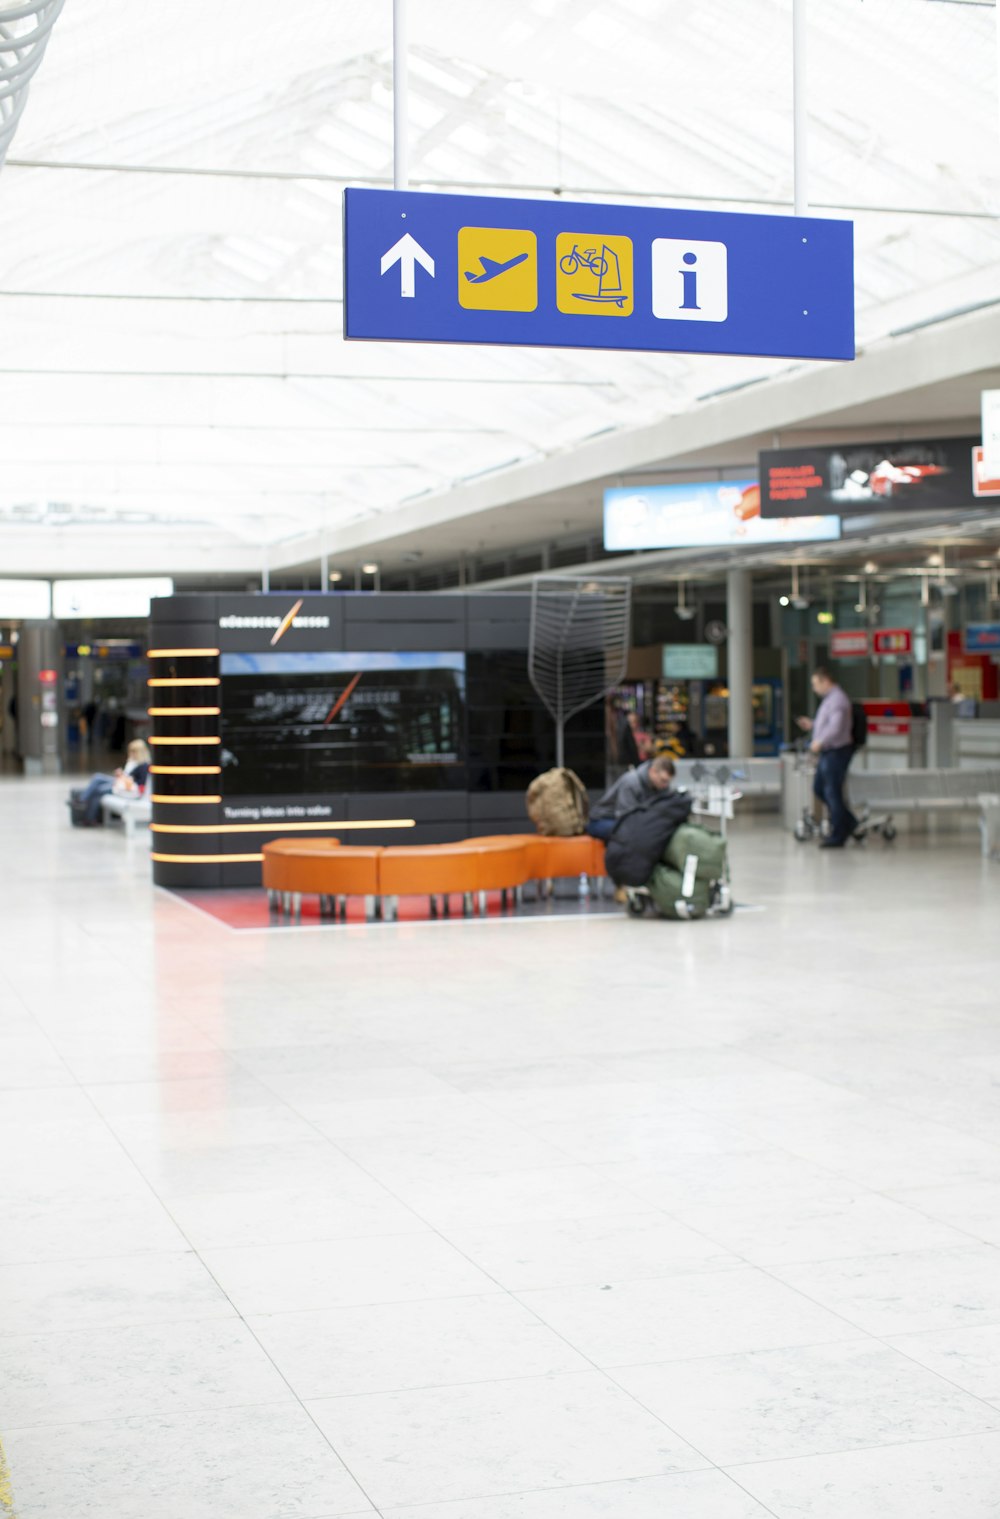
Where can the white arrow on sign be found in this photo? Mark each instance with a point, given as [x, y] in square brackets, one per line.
[407, 253]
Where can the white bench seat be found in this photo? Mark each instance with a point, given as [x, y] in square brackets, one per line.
[133, 811]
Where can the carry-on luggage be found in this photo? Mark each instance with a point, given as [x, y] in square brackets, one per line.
[692, 879]
[641, 835]
[77, 809]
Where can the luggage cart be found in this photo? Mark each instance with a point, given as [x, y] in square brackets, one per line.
[798, 772]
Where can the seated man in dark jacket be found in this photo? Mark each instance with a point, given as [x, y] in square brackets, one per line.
[630, 790]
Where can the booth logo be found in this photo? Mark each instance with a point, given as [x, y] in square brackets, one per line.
[280, 625]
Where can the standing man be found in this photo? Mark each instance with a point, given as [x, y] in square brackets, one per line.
[833, 744]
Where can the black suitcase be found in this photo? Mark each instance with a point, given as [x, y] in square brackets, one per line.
[78, 810]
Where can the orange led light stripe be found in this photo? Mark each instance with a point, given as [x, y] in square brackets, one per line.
[183, 711]
[185, 769]
[206, 859]
[185, 739]
[184, 801]
[279, 827]
[182, 653]
[192, 680]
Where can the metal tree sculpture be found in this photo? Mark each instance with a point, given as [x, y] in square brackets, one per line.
[24, 34]
[578, 645]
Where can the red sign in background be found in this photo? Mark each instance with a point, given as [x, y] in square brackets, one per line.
[888, 718]
[893, 641]
[852, 643]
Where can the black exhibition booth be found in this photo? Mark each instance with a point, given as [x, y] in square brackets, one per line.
[375, 718]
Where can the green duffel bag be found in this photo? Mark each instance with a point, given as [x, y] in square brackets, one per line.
[708, 848]
[665, 886]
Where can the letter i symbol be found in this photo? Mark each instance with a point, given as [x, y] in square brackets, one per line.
[690, 279]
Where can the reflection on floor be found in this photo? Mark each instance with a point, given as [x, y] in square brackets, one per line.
[241, 909]
[590, 1218]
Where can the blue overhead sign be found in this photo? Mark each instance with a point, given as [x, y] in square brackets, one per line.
[426, 268]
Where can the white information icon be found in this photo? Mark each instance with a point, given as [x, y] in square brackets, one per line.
[690, 280]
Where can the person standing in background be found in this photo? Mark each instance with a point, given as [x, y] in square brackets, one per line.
[832, 731]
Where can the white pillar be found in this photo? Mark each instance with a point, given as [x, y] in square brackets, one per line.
[739, 649]
[400, 82]
[800, 145]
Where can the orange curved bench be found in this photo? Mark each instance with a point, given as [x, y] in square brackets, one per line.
[551, 857]
[470, 868]
[322, 867]
[495, 862]
[287, 862]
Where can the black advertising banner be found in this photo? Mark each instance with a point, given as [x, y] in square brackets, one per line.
[312, 723]
[859, 479]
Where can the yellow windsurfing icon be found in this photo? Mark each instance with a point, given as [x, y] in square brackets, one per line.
[594, 274]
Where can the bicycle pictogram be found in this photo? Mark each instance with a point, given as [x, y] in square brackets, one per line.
[588, 259]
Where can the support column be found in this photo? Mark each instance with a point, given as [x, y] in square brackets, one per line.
[739, 650]
[39, 697]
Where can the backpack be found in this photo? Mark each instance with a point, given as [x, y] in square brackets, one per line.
[557, 803]
[642, 834]
[859, 725]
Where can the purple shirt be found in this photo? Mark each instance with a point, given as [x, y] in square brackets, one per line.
[834, 720]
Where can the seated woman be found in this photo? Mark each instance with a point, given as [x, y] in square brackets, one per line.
[129, 780]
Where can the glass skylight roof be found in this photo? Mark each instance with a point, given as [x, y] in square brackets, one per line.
[170, 262]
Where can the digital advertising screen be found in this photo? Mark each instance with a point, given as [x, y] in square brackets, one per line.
[701, 514]
[859, 479]
[316, 723]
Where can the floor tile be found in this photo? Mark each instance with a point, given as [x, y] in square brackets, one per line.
[551, 1192]
[704, 1313]
[337, 1273]
[972, 1206]
[936, 1479]
[771, 1229]
[969, 1357]
[267, 1461]
[779, 1404]
[580, 1252]
[909, 1290]
[688, 1495]
[279, 1216]
[69, 1224]
[108, 1292]
[390, 1347]
[91, 1374]
[466, 1442]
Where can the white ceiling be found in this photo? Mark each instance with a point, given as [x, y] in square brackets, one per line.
[173, 381]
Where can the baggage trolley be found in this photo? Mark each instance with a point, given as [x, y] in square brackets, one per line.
[799, 799]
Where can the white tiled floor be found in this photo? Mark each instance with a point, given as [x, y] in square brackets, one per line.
[529, 1220]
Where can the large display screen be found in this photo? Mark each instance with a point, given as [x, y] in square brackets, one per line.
[701, 515]
[316, 723]
[855, 479]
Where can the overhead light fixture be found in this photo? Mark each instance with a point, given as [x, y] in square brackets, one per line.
[800, 602]
[369, 569]
[870, 567]
[682, 610]
[783, 601]
[935, 560]
[336, 576]
[826, 618]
